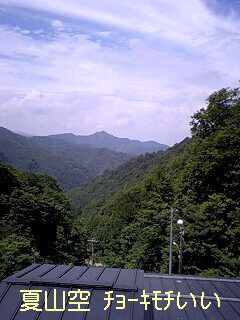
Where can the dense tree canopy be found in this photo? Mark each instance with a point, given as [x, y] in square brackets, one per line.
[202, 181]
[36, 224]
[223, 107]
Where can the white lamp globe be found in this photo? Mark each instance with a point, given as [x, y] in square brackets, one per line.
[180, 222]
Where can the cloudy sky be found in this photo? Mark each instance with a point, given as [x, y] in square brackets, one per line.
[136, 69]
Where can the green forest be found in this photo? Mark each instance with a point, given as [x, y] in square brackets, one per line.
[71, 165]
[128, 209]
[36, 224]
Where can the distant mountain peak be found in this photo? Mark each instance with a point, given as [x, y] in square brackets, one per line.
[102, 132]
[103, 139]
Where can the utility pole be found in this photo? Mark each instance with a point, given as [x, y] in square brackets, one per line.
[171, 241]
[93, 241]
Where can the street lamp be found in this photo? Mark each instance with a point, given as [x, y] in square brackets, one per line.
[171, 239]
[175, 244]
[181, 231]
[180, 222]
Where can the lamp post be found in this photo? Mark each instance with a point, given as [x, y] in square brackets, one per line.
[171, 239]
[181, 231]
[170, 243]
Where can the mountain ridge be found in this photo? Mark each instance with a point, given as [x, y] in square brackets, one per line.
[71, 166]
[102, 139]
[97, 160]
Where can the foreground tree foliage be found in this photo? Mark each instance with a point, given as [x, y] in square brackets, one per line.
[36, 224]
[202, 181]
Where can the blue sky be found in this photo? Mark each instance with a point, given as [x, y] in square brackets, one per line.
[136, 69]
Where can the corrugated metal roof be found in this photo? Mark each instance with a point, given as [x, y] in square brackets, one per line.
[228, 291]
[129, 283]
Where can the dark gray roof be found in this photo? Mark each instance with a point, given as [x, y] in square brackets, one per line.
[227, 289]
[130, 283]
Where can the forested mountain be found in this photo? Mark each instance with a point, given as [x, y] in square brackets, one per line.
[70, 165]
[96, 160]
[105, 140]
[200, 178]
[26, 155]
[36, 224]
[129, 174]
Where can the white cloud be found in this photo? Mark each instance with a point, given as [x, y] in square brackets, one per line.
[104, 34]
[147, 79]
[57, 24]
[38, 31]
[176, 18]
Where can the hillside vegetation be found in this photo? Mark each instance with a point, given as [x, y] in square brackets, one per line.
[36, 224]
[72, 166]
[128, 209]
[95, 160]
[108, 185]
